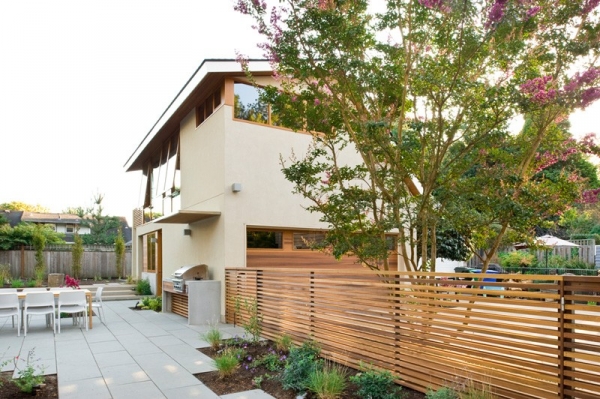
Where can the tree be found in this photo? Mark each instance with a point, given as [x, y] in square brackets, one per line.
[21, 206]
[119, 252]
[77, 254]
[39, 243]
[22, 234]
[103, 229]
[426, 92]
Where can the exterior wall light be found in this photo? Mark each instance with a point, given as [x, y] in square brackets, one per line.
[236, 187]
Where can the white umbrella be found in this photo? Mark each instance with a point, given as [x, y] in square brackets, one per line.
[551, 241]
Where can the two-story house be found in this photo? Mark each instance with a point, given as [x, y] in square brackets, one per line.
[214, 191]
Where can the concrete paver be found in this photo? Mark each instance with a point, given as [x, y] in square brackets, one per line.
[135, 354]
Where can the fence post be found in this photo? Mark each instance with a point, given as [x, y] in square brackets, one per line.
[22, 262]
[311, 311]
[563, 350]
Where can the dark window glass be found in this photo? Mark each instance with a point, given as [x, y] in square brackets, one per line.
[263, 239]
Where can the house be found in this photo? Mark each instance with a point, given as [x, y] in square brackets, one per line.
[64, 223]
[214, 191]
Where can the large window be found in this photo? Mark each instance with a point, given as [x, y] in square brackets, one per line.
[247, 104]
[308, 240]
[162, 180]
[149, 243]
[208, 106]
[264, 239]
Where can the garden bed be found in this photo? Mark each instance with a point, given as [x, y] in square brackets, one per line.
[249, 375]
[8, 390]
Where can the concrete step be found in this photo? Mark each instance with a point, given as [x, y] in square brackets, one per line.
[115, 291]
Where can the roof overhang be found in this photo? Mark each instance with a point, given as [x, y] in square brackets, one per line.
[187, 217]
[186, 100]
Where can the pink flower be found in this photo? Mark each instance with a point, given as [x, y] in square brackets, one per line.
[317, 101]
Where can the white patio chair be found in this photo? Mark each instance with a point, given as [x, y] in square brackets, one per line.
[73, 302]
[35, 289]
[97, 304]
[10, 306]
[39, 303]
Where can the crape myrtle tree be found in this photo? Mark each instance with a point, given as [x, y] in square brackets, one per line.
[454, 107]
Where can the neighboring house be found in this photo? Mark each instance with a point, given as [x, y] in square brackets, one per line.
[214, 190]
[64, 223]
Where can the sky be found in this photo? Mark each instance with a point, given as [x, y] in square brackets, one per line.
[83, 81]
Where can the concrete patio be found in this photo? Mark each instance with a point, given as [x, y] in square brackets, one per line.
[137, 354]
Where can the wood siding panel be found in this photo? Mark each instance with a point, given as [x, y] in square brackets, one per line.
[265, 258]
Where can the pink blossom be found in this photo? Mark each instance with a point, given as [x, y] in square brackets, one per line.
[496, 13]
[533, 11]
[437, 4]
[538, 90]
[589, 96]
[317, 101]
[590, 5]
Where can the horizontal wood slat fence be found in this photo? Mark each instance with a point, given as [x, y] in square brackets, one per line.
[535, 338]
[94, 263]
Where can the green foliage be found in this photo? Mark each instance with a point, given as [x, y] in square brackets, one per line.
[253, 322]
[154, 303]
[442, 393]
[143, 287]
[22, 234]
[327, 382]
[77, 255]
[283, 343]
[119, 252]
[39, 243]
[427, 94]
[28, 377]
[301, 362]
[130, 279]
[213, 336]
[272, 361]
[22, 206]
[17, 283]
[375, 384]
[103, 229]
[517, 259]
[32, 283]
[5, 275]
[227, 363]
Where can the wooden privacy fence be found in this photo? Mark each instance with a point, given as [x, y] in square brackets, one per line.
[538, 338]
[95, 262]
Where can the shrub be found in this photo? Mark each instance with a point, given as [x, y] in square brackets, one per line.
[143, 287]
[4, 274]
[328, 382]
[272, 361]
[27, 377]
[213, 336]
[283, 343]
[442, 393]
[253, 324]
[227, 363]
[301, 362]
[375, 384]
[17, 283]
[517, 259]
[152, 303]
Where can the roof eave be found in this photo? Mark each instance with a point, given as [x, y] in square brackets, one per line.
[206, 68]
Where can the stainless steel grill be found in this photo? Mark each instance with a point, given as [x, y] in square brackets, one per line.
[190, 272]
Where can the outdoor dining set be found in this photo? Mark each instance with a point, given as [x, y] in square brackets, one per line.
[53, 303]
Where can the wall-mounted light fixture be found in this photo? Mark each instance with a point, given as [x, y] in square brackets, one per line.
[236, 187]
[187, 232]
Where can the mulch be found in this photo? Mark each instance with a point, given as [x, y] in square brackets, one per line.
[246, 377]
[8, 390]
